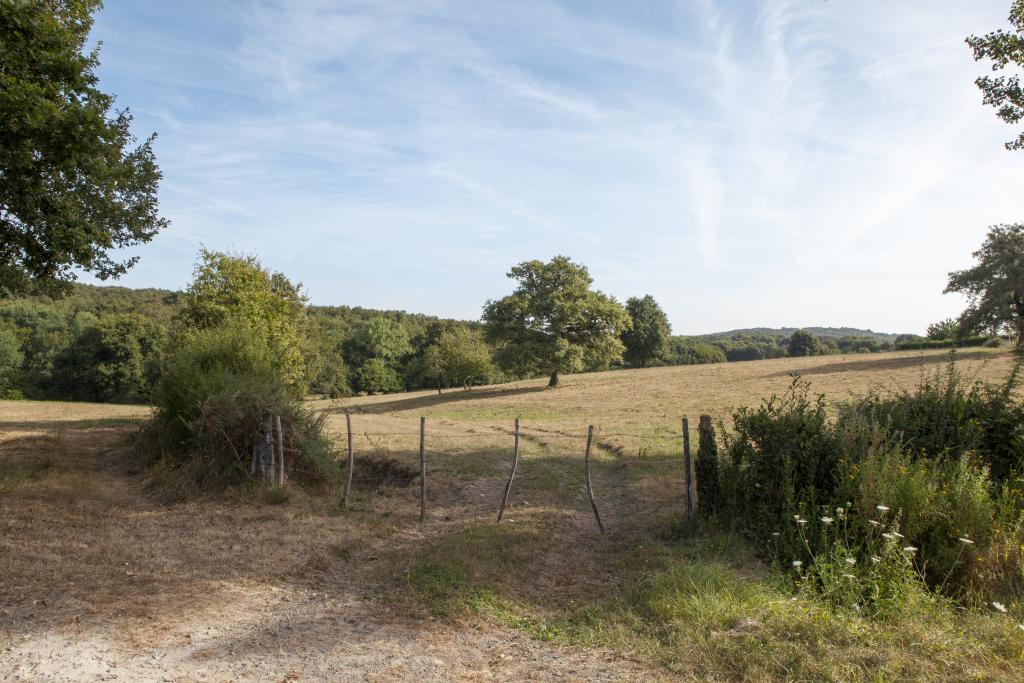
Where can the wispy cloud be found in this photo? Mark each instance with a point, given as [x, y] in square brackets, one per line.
[715, 154]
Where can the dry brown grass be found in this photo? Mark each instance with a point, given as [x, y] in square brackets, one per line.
[87, 551]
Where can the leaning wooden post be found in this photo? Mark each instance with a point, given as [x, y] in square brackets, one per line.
[586, 475]
[686, 464]
[268, 448]
[351, 459]
[423, 470]
[515, 463]
[280, 450]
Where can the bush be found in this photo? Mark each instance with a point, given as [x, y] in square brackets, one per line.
[918, 466]
[212, 401]
[947, 418]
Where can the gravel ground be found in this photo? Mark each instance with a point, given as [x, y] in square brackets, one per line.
[288, 635]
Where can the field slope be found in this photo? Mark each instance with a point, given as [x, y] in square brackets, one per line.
[106, 576]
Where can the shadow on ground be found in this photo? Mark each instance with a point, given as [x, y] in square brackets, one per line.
[868, 363]
[433, 400]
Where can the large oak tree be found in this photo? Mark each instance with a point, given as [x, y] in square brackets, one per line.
[553, 322]
[73, 184]
[995, 285]
[1004, 48]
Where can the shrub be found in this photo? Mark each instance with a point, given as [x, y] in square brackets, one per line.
[781, 457]
[922, 461]
[945, 417]
[212, 401]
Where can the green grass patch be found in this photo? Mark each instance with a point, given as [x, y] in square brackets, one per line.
[702, 607]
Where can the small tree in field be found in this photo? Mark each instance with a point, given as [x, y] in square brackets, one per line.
[553, 322]
[943, 330]
[460, 356]
[231, 288]
[646, 340]
[803, 343]
[995, 286]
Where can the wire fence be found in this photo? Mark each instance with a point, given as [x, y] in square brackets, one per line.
[591, 437]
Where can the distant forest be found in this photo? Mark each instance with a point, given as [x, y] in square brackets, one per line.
[105, 344]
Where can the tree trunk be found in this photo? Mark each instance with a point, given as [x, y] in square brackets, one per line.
[553, 382]
[1018, 302]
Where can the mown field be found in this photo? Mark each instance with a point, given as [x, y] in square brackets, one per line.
[105, 574]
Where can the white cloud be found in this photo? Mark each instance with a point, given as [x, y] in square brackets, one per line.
[719, 155]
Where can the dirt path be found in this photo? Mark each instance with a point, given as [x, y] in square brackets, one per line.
[102, 582]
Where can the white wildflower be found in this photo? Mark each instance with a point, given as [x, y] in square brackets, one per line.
[876, 559]
[999, 607]
[797, 563]
[827, 520]
[888, 536]
[898, 534]
[874, 523]
[801, 521]
[881, 508]
[849, 576]
[851, 561]
[775, 533]
[910, 549]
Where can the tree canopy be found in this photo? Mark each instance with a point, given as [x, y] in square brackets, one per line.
[232, 288]
[646, 340]
[74, 185]
[553, 322]
[1005, 93]
[944, 329]
[803, 343]
[460, 357]
[995, 285]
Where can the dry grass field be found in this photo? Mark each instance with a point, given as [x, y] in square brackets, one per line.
[103, 578]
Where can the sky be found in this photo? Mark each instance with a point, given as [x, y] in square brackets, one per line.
[775, 163]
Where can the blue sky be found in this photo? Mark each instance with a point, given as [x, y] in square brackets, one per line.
[789, 162]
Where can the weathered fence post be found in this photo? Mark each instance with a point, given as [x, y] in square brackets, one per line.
[515, 463]
[423, 470]
[707, 467]
[586, 475]
[351, 459]
[686, 464]
[280, 450]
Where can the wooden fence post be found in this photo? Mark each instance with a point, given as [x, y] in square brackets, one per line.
[280, 450]
[515, 463]
[423, 470]
[708, 493]
[586, 475]
[686, 464]
[351, 459]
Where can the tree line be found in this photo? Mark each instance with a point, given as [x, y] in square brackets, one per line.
[108, 344]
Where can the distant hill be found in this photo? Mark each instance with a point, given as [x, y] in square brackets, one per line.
[836, 332]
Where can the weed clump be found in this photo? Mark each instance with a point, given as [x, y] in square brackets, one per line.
[215, 392]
